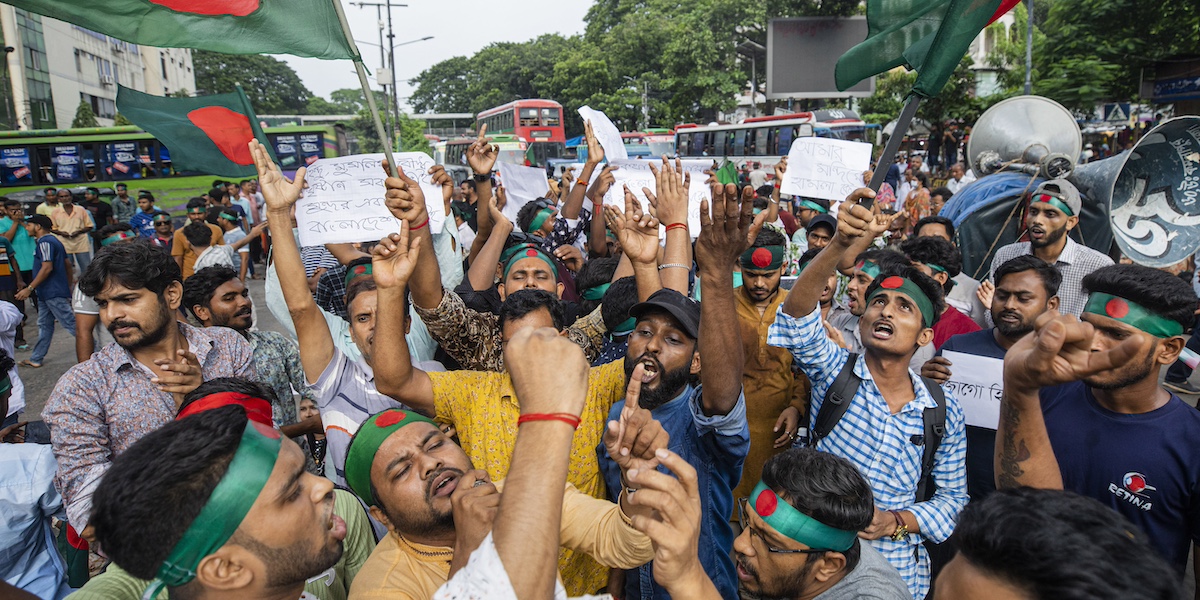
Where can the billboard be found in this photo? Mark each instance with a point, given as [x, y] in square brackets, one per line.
[801, 54]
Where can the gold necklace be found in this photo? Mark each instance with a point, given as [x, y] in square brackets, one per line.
[434, 554]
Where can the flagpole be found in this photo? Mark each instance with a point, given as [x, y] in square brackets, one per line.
[893, 145]
[366, 87]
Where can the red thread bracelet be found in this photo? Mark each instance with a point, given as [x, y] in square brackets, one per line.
[582, 182]
[778, 185]
[567, 418]
[416, 227]
[677, 226]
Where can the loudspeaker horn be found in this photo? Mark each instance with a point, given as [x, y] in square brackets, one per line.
[1028, 134]
[1152, 193]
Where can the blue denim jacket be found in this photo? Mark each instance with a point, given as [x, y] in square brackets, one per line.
[716, 446]
[28, 557]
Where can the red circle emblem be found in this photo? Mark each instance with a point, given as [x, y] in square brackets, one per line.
[1116, 308]
[531, 253]
[761, 258]
[892, 283]
[1135, 483]
[766, 503]
[390, 418]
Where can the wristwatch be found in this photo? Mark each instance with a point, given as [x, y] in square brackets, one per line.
[482, 178]
[901, 529]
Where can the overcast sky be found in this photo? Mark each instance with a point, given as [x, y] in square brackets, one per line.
[459, 27]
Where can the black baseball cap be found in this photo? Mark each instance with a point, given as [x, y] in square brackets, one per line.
[684, 310]
[823, 220]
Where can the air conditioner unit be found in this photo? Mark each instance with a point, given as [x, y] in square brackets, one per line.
[118, 48]
[107, 80]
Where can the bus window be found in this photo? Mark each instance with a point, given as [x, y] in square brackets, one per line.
[719, 143]
[550, 117]
[120, 160]
[67, 163]
[684, 145]
[786, 134]
[146, 156]
[739, 143]
[699, 141]
[761, 142]
[529, 117]
[15, 166]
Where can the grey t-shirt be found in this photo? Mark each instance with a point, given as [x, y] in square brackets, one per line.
[873, 579]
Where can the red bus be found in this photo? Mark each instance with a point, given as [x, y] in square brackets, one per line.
[538, 122]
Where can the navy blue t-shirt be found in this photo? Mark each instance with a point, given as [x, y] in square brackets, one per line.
[981, 441]
[1145, 466]
[50, 250]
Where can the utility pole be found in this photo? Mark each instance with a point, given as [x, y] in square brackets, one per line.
[645, 105]
[1029, 49]
[393, 103]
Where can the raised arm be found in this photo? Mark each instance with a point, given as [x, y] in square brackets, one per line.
[670, 205]
[392, 264]
[852, 225]
[723, 237]
[406, 202]
[595, 193]
[638, 234]
[481, 156]
[482, 273]
[316, 343]
[877, 225]
[1058, 352]
[254, 233]
[573, 202]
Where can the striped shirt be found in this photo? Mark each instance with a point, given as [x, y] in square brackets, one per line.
[1075, 262]
[879, 444]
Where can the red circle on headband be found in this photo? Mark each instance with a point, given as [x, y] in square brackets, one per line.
[1116, 308]
[766, 503]
[390, 418]
[531, 253]
[892, 283]
[761, 258]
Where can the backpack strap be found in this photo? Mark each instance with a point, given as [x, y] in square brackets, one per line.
[934, 420]
[837, 401]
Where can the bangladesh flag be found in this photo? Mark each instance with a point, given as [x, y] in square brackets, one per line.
[205, 134]
[928, 36]
[728, 173]
[299, 27]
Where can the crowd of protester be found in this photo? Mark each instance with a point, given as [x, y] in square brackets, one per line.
[546, 408]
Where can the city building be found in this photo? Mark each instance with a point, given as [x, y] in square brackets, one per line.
[53, 65]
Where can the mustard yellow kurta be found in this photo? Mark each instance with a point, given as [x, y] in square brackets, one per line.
[769, 385]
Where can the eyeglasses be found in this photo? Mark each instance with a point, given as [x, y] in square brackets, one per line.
[745, 523]
[521, 237]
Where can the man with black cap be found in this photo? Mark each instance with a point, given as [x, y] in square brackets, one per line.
[707, 422]
[806, 210]
[1054, 211]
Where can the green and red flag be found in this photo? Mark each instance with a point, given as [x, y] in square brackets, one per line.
[928, 36]
[728, 173]
[299, 27]
[205, 134]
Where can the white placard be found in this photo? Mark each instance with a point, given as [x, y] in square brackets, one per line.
[522, 185]
[606, 133]
[825, 168]
[978, 383]
[637, 175]
[344, 199]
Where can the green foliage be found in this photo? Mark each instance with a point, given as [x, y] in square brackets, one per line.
[412, 135]
[121, 121]
[957, 99]
[84, 117]
[346, 101]
[363, 128]
[180, 93]
[272, 86]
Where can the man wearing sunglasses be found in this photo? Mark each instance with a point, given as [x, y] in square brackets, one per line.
[1053, 212]
[164, 231]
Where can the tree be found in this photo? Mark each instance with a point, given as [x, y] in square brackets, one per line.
[412, 135]
[84, 117]
[272, 86]
[121, 121]
[180, 93]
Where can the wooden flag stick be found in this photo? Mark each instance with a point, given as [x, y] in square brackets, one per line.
[893, 145]
[384, 137]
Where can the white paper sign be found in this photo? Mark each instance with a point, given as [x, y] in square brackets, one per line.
[606, 133]
[825, 168]
[344, 200]
[522, 185]
[978, 383]
[637, 175]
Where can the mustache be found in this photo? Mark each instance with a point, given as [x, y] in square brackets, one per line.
[115, 325]
[741, 562]
[433, 477]
[646, 356]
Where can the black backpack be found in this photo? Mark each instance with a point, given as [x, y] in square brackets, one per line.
[837, 402]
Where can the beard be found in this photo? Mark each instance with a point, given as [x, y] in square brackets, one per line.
[1126, 375]
[670, 383]
[1052, 237]
[239, 321]
[293, 564]
[789, 587]
[1013, 332]
[436, 522]
[151, 334]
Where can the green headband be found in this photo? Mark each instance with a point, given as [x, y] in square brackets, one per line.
[596, 293]
[540, 219]
[229, 216]
[868, 267]
[936, 268]
[365, 444]
[522, 251]
[895, 283]
[763, 258]
[199, 210]
[5, 384]
[1055, 202]
[116, 237]
[795, 525]
[1133, 314]
[809, 204]
[625, 328]
[357, 271]
[226, 507]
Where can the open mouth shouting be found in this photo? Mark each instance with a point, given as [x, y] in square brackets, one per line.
[882, 330]
[443, 484]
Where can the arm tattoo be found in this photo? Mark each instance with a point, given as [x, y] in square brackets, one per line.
[1014, 452]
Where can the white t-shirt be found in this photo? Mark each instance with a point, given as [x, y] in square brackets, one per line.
[213, 256]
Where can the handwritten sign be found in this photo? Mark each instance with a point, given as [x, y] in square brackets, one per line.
[345, 199]
[637, 175]
[825, 168]
[606, 133]
[522, 185]
[978, 383]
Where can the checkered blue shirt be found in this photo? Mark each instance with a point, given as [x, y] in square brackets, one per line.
[879, 444]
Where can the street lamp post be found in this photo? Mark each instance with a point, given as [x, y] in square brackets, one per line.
[8, 99]
[645, 101]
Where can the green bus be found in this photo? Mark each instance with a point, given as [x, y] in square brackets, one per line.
[104, 156]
